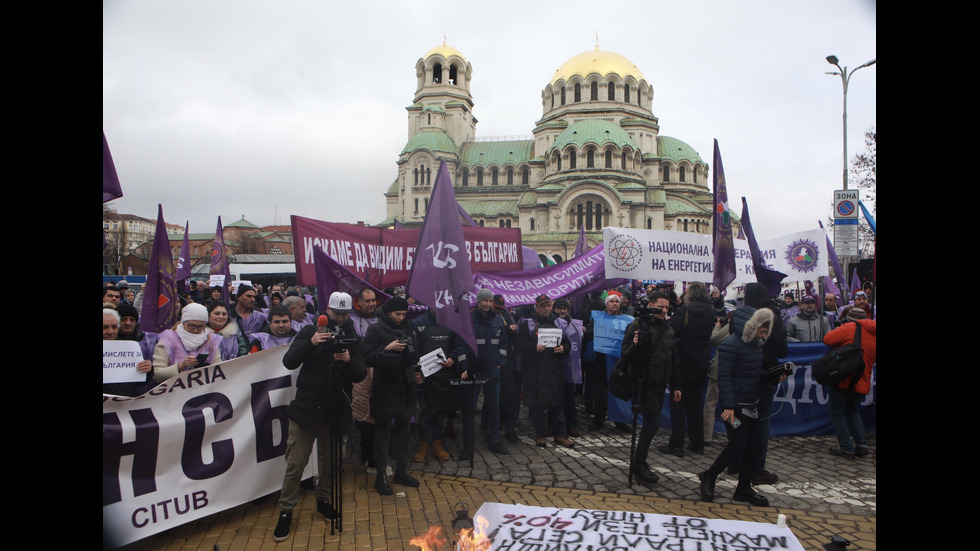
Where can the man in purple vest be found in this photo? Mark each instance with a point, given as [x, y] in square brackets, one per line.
[280, 331]
[249, 320]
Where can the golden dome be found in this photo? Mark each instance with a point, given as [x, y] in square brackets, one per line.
[445, 51]
[597, 61]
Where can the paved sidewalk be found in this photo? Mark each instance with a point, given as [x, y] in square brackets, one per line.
[820, 495]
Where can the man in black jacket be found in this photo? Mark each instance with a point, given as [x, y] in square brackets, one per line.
[651, 350]
[543, 366]
[692, 324]
[326, 365]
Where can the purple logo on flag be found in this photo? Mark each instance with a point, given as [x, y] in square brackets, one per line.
[802, 255]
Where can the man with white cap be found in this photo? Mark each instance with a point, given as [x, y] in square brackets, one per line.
[326, 365]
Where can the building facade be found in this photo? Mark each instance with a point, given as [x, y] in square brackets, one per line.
[596, 157]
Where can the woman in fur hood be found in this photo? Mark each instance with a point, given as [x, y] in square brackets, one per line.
[741, 380]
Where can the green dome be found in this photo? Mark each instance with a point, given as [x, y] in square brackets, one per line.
[596, 131]
[433, 139]
[676, 150]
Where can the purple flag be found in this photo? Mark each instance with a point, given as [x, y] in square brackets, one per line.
[855, 282]
[183, 275]
[723, 246]
[841, 276]
[763, 273]
[332, 277]
[160, 304]
[440, 276]
[110, 180]
[810, 290]
[582, 247]
[829, 287]
[398, 225]
[531, 260]
[464, 215]
[219, 260]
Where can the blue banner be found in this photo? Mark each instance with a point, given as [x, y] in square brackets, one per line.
[799, 406]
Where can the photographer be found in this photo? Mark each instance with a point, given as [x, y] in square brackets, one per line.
[651, 350]
[389, 347]
[327, 362]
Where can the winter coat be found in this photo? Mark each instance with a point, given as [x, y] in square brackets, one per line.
[543, 372]
[393, 387]
[741, 375]
[316, 393]
[656, 363]
[692, 324]
[845, 334]
[807, 328]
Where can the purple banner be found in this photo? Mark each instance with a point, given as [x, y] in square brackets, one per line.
[584, 274]
[388, 254]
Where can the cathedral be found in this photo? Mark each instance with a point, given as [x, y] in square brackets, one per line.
[596, 158]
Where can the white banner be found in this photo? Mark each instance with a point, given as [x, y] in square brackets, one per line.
[526, 527]
[680, 256]
[205, 441]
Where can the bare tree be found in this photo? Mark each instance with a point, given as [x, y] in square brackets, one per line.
[864, 175]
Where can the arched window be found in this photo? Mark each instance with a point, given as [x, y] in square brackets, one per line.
[666, 173]
[571, 158]
[558, 161]
[493, 176]
[590, 159]
[626, 93]
[612, 91]
[685, 225]
[508, 222]
[563, 95]
[481, 223]
[694, 175]
[428, 175]
[510, 176]
[683, 173]
[595, 92]
[479, 176]
[525, 176]
[452, 75]
[416, 205]
[416, 176]
[437, 73]
[622, 160]
[578, 93]
[430, 118]
[532, 224]
[558, 258]
[466, 177]
[608, 158]
[649, 223]
[426, 205]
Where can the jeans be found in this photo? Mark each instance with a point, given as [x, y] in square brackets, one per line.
[844, 416]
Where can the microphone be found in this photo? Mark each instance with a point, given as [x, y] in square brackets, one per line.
[321, 324]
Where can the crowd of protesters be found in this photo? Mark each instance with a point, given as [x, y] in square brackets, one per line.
[695, 351]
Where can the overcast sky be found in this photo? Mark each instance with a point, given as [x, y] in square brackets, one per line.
[267, 109]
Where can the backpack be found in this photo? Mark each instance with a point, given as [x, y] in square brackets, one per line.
[847, 360]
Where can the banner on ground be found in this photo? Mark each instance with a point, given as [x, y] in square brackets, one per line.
[680, 256]
[584, 274]
[389, 253]
[528, 527]
[205, 441]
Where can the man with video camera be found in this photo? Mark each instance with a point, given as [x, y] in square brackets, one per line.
[328, 358]
[650, 349]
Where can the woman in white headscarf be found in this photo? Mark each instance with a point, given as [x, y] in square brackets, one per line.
[178, 349]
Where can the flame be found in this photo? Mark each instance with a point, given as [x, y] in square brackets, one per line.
[432, 540]
[475, 539]
[470, 539]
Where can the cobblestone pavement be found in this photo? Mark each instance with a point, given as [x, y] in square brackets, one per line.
[821, 495]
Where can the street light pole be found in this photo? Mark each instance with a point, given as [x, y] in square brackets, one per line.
[845, 78]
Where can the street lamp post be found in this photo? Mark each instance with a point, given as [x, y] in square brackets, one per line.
[845, 78]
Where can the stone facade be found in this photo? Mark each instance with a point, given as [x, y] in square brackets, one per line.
[596, 157]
